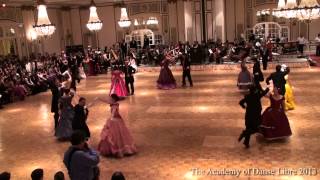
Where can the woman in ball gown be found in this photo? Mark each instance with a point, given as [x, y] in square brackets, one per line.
[116, 139]
[118, 86]
[244, 78]
[64, 127]
[289, 98]
[166, 80]
[92, 65]
[275, 124]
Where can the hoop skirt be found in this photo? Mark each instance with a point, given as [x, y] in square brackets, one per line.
[166, 80]
[275, 124]
[64, 129]
[289, 98]
[116, 139]
[118, 85]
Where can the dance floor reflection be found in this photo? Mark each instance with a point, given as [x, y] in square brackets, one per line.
[176, 131]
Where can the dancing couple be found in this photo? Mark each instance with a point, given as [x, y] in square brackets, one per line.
[166, 79]
[119, 86]
[273, 123]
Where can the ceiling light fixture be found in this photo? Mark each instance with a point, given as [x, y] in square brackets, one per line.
[94, 23]
[124, 21]
[43, 26]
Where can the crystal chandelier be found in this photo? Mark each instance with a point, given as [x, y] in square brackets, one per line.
[277, 12]
[263, 12]
[94, 23]
[124, 21]
[43, 27]
[152, 21]
[136, 23]
[308, 10]
[290, 11]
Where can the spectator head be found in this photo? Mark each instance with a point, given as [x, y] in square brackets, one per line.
[37, 174]
[5, 176]
[118, 176]
[78, 138]
[82, 101]
[59, 175]
[278, 68]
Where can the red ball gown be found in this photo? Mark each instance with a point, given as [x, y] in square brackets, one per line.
[118, 85]
[275, 124]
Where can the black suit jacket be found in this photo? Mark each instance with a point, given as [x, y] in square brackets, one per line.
[253, 107]
[80, 117]
[257, 73]
[278, 79]
[129, 71]
[56, 94]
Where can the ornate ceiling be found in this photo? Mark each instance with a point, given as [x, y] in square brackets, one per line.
[63, 2]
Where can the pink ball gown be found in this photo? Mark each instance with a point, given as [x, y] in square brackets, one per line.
[116, 139]
[275, 124]
[118, 85]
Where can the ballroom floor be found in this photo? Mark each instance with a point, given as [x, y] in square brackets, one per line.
[175, 130]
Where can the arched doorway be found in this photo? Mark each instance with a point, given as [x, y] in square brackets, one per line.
[138, 35]
[272, 30]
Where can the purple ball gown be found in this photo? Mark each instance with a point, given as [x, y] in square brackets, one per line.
[116, 139]
[166, 79]
[275, 124]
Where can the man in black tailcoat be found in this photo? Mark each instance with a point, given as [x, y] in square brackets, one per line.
[264, 52]
[252, 104]
[186, 67]
[278, 79]
[129, 71]
[56, 94]
[80, 117]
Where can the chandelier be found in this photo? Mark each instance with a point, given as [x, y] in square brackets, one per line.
[307, 10]
[263, 12]
[94, 23]
[43, 26]
[152, 21]
[277, 12]
[290, 11]
[124, 21]
[136, 23]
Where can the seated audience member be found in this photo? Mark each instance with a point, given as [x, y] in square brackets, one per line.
[80, 160]
[37, 174]
[19, 90]
[5, 176]
[118, 176]
[59, 176]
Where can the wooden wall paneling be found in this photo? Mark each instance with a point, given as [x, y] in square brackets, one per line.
[197, 6]
[198, 26]
[208, 5]
[173, 34]
[209, 25]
